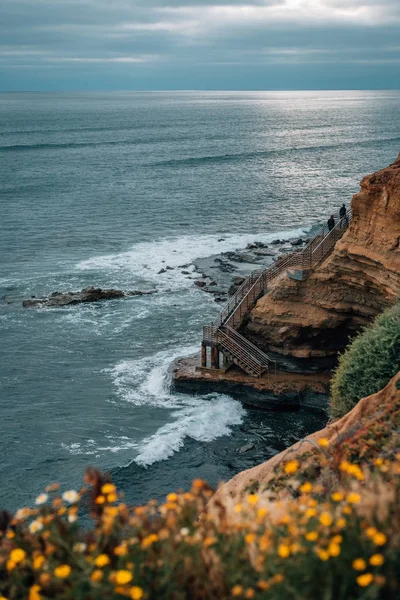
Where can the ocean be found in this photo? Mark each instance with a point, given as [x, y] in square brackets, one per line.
[107, 189]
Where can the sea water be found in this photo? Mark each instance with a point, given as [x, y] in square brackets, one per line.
[107, 189]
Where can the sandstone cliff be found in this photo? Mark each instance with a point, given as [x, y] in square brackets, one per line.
[377, 414]
[315, 318]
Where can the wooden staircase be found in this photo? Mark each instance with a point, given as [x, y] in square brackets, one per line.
[222, 335]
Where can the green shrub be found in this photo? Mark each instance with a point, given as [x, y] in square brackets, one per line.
[368, 364]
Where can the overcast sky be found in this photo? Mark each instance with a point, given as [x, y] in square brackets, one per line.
[202, 44]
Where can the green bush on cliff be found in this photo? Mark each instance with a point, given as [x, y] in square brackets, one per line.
[368, 364]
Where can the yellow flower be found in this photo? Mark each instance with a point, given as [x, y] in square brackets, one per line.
[123, 577]
[262, 584]
[102, 560]
[306, 487]
[291, 467]
[108, 488]
[359, 564]
[38, 562]
[341, 523]
[365, 579]
[250, 537]
[334, 549]
[100, 500]
[378, 462]
[10, 565]
[238, 508]
[121, 550]
[283, 550]
[250, 593]
[262, 512]
[62, 572]
[379, 539]
[149, 540]
[353, 498]
[41, 499]
[326, 519]
[337, 496]
[371, 531]
[17, 555]
[310, 512]
[323, 554]
[97, 575]
[323, 442]
[311, 536]
[34, 592]
[172, 497]
[237, 590]
[337, 539]
[376, 560]
[253, 499]
[136, 592]
[347, 510]
[209, 541]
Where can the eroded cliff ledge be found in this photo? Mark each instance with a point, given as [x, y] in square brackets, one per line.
[315, 318]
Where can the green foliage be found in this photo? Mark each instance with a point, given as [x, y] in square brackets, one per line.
[368, 364]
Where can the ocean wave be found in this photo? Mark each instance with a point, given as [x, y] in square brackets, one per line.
[202, 418]
[194, 161]
[145, 259]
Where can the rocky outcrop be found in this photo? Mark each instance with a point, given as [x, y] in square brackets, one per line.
[361, 418]
[317, 316]
[90, 294]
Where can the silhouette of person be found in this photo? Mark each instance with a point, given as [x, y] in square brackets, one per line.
[331, 222]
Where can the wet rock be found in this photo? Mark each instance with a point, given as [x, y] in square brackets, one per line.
[276, 242]
[220, 299]
[238, 280]
[221, 239]
[246, 448]
[90, 294]
[185, 272]
[263, 252]
[200, 283]
[169, 268]
[161, 271]
[298, 242]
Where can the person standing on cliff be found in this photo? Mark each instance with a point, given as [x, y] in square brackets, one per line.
[343, 216]
[331, 222]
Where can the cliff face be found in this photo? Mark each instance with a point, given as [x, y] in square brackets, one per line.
[316, 317]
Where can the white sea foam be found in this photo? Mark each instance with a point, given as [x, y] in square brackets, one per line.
[202, 418]
[145, 259]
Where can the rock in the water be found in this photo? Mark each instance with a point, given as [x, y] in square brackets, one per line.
[200, 283]
[169, 268]
[246, 448]
[185, 272]
[90, 294]
[263, 252]
[161, 271]
[298, 242]
[238, 280]
[276, 242]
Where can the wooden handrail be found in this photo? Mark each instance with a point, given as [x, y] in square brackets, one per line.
[223, 330]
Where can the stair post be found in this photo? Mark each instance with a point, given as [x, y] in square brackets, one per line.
[204, 354]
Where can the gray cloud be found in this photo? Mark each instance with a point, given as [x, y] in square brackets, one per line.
[148, 40]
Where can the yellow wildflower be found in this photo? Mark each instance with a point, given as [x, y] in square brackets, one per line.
[291, 466]
[149, 540]
[250, 593]
[38, 562]
[112, 498]
[262, 512]
[100, 500]
[334, 549]
[337, 539]
[306, 487]
[238, 508]
[62, 572]
[341, 523]
[10, 564]
[379, 539]
[347, 510]
[353, 498]
[121, 550]
[323, 442]
[102, 560]
[263, 585]
[253, 499]
[311, 536]
[250, 537]
[283, 550]
[310, 512]
[278, 578]
[378, 462]
[108, 488]
[325, 519]
[359, 564]
[323, 554]
[17, 555]
[337, 496]
[237, 590]
[172, 497]
[376, 560]
[97, 575]
[123, 577]
[365, 579]
[209, 541]
[34, 592]
[136, 592]
[371, 531]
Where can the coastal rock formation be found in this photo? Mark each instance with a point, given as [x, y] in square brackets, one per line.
[90, 294]
[361, 417]
[316, 317]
